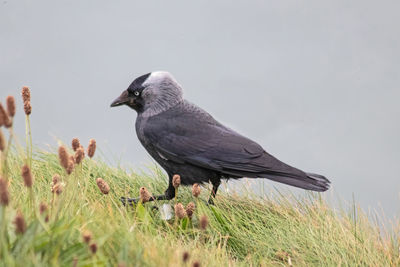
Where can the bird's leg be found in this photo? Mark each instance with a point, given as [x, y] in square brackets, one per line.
[214, 191]
[168, 195]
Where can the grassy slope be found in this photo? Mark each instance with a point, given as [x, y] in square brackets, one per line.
[242, 232]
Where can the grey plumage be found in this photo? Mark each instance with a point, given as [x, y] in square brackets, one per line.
[186, 140]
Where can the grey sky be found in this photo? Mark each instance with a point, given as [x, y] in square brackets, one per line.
[316, 83]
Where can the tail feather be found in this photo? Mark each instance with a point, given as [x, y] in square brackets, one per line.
[320, 181]
[310, 181]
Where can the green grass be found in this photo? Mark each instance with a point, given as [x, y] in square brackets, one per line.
[244, 230]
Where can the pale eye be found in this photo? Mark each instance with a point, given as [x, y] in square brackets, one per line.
[136, 93]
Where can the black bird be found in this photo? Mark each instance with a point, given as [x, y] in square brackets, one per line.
[186, 140]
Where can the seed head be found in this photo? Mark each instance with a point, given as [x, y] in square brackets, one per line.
[56, 179]
[71, 165]
[180, 211]
[26, 94]
[43, 210]
[103, 186]
[27, 107]
[87, 236]
[176, 180]
[79, 155]
[2, 141]
[185, 256]
[196, 264]
[4, 195]
[196, 190]
[91, 148]
[27, 175]
[11, 106]
[63, 157]
[20, 225]
[42, 207]
[144, 194]
[190, 207]
[4, 119]
[284, 256]
[57, 188]
[203, 222]
[93, 248]
[75, 144]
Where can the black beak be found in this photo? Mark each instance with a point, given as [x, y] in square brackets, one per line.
[121, 100]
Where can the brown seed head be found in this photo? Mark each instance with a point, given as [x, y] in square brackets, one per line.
[8, 123]
[2, 141]
[282, 255]
[87, 236]
[75, 144]
[180, 211]
[71, 165]
[43, 211]
[185, 256]
[196, 190]
[203, 222]
[79, 155]
[42, 207]
[63, 157]
[4, 119]
[27, 175]
[57, 188]
[144, 194]
[190, 207]
[176, 180]
[4, 195]
[93, 248]
[26, 94]
[121, 264]
[20, 225]
[56, 179]
[11, 106]
[103, 186]
[196, 264]
[91, 148]
[27, 108]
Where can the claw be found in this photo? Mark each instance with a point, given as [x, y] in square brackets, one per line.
[129, 201]
[123, 200]
[210, 202]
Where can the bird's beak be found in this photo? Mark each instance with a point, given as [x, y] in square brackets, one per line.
[121, 100]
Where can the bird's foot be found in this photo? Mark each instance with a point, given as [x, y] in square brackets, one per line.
[129, 201]
[211, 202]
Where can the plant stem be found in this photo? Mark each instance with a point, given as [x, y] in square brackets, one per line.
[3, 158]
[2, 233]
[30, 141]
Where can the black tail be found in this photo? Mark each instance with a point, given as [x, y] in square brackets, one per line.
[309, 181]
[320, 182]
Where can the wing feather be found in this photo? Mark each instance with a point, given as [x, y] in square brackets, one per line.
[198, 139]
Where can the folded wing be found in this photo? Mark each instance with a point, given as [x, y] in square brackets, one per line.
[196, 138]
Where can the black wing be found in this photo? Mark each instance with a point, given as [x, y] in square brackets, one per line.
[193, 136]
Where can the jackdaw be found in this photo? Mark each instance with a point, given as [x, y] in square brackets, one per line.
[186, 140]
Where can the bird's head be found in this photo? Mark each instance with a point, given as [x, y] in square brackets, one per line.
[151, 93]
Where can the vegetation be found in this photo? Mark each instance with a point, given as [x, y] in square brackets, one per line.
[76, 219]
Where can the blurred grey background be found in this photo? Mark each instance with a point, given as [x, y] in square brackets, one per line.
[316, 83]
